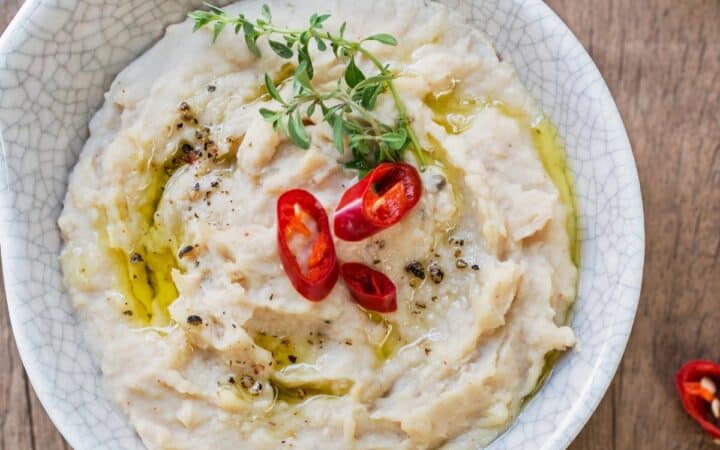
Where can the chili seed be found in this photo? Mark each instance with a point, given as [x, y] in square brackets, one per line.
[708, 384]
[416, 269]
[436, 273]
[458, 252]
[715, 407]
[194, 320]
[461, 264]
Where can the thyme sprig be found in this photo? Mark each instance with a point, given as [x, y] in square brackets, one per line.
[347, 108]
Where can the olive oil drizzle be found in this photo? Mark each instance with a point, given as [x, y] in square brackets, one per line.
[391, 342]
[145, 273]
[147, 269]
[455, 113]
[298, 394]
[284, 350]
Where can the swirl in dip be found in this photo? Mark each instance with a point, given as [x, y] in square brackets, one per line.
[172, 261]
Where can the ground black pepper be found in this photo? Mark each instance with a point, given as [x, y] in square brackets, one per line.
[415, 268]
[194, 320]
[184, 251]
[436, 273]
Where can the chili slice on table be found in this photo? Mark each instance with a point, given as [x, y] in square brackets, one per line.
[378, 201]
[371, 289]
[696, 383]
[305, 244]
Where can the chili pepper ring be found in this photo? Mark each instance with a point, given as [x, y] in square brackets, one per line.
[696, 396]
[305, 244]
[378, 201]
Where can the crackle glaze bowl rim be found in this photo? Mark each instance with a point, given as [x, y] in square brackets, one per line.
[44, 110]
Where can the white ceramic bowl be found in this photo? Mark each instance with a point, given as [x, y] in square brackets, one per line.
[58, 57]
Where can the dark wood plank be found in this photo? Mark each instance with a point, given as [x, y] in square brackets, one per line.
[15, 420]
[661, 59]
[45, 435]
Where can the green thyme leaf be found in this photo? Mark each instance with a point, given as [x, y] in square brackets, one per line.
[297, 132]
[265, 13]
[251, 38]
[374, 81]
[353, 74]
[281, 49]
[395, 140]
[311, 109]
[369, 97]
[316, 21]
[216, 9]
[217, 29]
[268, 114]
[272, 89]
[201, 19]
[385, 38]
[338, 133]
[304, 59]
[301, 76]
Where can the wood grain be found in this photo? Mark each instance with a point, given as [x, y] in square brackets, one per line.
[661, 59]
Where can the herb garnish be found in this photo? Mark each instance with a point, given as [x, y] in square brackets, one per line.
[347, 108]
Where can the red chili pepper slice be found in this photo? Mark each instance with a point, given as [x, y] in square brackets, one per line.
[371, 289]
[305, 244]
[696, 399]
[376, 202]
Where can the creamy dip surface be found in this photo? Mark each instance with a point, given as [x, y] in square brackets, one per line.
[174, 269]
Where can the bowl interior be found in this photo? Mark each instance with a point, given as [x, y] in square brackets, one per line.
[56, 63]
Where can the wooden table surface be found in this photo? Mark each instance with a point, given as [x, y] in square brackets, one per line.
[661, 59]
